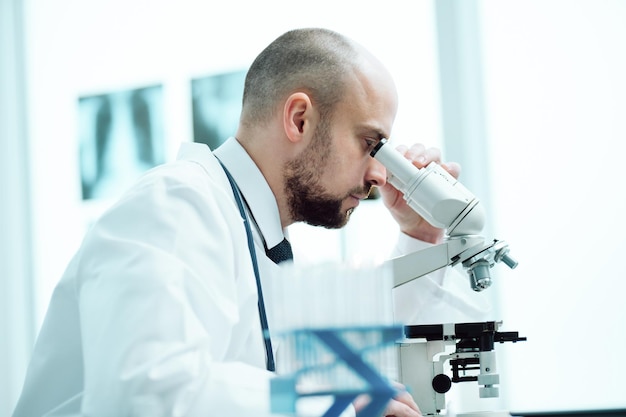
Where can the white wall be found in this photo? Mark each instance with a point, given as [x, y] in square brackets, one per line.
[16, 301]
[556, 109]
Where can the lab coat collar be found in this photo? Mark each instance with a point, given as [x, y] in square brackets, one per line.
[254, 188]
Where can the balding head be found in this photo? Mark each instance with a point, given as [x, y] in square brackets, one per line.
[315, 61]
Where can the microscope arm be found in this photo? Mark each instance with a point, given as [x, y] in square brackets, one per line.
[476, 256]
[417, 264]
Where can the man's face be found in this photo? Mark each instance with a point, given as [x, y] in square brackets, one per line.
[309, 200]
[325, 183]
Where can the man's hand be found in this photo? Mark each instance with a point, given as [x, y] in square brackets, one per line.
[402, 405]
[409, 221]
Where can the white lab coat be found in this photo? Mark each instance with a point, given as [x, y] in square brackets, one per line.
[156, 314]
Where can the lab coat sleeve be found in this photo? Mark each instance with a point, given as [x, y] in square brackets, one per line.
[159, 300]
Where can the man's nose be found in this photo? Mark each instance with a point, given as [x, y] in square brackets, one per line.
[376, 173]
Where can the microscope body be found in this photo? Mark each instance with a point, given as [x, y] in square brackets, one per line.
[333, 360]
[468, 347]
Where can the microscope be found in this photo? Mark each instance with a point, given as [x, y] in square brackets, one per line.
[469, 347]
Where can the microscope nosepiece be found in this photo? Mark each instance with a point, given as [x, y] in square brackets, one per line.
[480, 277]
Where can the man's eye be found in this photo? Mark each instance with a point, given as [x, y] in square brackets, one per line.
[370, 143]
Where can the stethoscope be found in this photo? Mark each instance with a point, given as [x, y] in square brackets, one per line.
[261, 305]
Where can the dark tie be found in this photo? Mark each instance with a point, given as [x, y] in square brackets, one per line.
[281, 252]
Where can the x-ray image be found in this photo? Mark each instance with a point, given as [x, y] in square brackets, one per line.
[121, 136]
[216, 106]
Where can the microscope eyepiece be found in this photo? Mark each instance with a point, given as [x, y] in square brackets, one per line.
[377, 147]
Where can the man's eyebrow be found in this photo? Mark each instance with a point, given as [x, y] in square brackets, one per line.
[373, 132]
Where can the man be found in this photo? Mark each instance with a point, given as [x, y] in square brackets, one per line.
[159, 312]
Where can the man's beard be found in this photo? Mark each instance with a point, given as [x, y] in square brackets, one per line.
[308, 201]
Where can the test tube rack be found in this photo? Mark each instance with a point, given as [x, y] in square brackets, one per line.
[339, 361]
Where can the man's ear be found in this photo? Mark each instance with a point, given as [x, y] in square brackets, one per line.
[299, 116]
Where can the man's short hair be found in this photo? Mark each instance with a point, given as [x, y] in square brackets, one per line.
[313, 60]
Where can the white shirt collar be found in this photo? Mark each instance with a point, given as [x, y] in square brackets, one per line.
[254, 188]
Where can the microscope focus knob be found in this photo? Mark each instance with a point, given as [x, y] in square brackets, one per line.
[442, 383]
